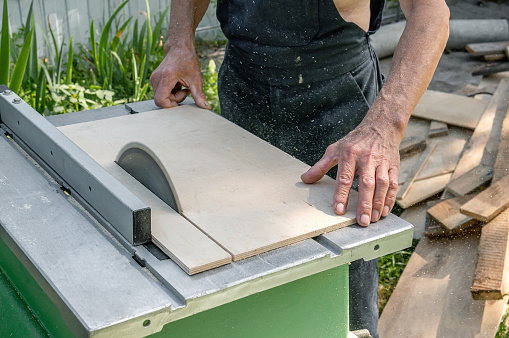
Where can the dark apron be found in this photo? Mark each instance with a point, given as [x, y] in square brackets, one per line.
[298, 76]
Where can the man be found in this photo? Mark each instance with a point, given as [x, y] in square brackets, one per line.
[302, 75]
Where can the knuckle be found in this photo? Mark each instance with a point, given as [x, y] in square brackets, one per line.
[393, 184]
[365, 205]
[390, 200]
[382, 181]
[368, 181]
[345, 179]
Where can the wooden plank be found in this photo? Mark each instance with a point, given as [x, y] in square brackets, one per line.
[486, 48]
[416, 215]
[495, 57]
[473, 154]
[492, 69]
[421, 190]
[491, 280]
[411, 145]
[423, 158]
[432, 298]
[437, 128]
[239, 190]
[186, 245]
[471, 181]
[444, 159]
[471, 90]
[452, 109]
[448, 213]
[489, 203]
[501, 167]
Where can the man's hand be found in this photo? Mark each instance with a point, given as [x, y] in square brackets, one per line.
[177, 76]
[372, 152]
[179, 72]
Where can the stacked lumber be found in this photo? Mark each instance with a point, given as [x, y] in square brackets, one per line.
[458, 277]
[495, 52]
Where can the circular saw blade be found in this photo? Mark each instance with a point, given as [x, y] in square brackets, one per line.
[141, 163]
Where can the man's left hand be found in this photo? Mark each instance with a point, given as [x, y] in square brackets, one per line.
[372, 152]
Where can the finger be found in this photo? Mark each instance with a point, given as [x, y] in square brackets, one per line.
[316, 172]
[163, 96]
[366, 193]
[179, 95]
[344, 180]
[198, 95]
[390, 198]
[381, 188]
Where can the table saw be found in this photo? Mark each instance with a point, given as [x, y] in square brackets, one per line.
[77, 256]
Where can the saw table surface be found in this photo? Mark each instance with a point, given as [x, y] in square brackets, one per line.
[243, 193]
[101, 285]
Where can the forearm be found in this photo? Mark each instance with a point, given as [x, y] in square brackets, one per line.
[184, 18]
[414, 62]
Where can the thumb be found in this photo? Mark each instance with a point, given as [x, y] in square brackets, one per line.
[316, 172]
[199, 97]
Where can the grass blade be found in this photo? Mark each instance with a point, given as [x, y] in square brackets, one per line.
[68, 76]
[104, 52]
[58, 69]
[19, 69]
[157, 30]
[118, 35]
[55, 45]
[5, 47]
[32, 70]
[40, 95]
[94, 47]
[148, 47]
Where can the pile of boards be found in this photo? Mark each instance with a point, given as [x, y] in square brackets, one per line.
[454, 187]
[497, 53]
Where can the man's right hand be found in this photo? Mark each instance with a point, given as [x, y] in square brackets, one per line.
[177, 76]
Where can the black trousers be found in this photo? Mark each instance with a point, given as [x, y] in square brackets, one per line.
[302, 120]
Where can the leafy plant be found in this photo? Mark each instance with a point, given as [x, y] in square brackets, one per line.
[73, 97]
[20, 67]
[210, 86]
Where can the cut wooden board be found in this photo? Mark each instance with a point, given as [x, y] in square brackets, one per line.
[416, 215]
[415, 171]
[437, 128]
[242, 192]
[495, 57]
[491, 273]
[411, 146]
[444, 159]
[432, 298]
[501, 167]
[452, 109]
[487, 48]
[448, 213]
[489, 203]
[473, 154]
[490, 280]
[174, 235]
[471, 180]
[493, 68]
[421, 190]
